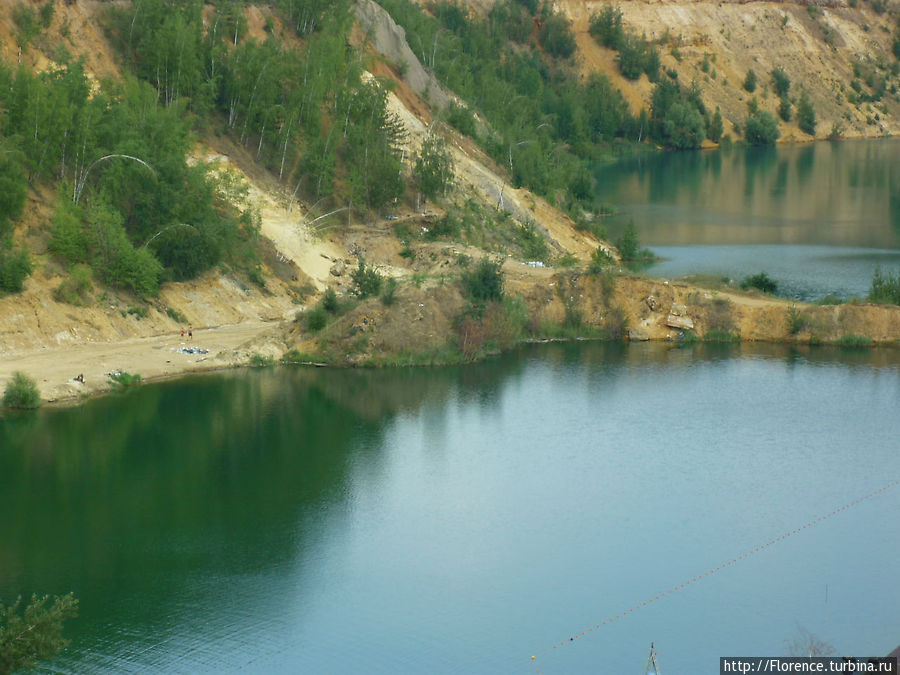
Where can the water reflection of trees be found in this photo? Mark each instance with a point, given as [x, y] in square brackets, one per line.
[233, 474]
[819, 193]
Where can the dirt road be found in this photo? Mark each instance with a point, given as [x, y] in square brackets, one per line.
[153, 357]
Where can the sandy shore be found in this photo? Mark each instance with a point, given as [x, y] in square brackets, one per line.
[153, 357]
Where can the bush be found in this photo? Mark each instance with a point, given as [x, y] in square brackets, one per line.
[316, 319]
[176, 316]
[388, 294]
[629, 246]
[721, 336]
[715, 127]
[260, 361]
[367, 280]
[123, 380]
[885, 288]
[556, 36]
[27, 24]
[461, 119]
[784, 110]
[781, 83]
[806, 115]
[761, 282]
[606, 27]
[600, 259]
[851, 341]
[15, 266]
[796, 321]
[330, 301]
[534, 245]
[76, 290]
[485, 282]
[21, 392]
[750, 81]
[761, 128]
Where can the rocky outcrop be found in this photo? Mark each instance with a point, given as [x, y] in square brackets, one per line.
[389, 40]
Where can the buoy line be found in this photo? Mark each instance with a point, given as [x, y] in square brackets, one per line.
[712, 571]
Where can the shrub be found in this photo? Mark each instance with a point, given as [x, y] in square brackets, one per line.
[176, 316]
[27, 24]
[781, 83]
[123, 380]
[715, 127]
[388, 293]
[15, 266]
[761, 282]
[750, 81]
[885, 288]
[556, 36]
[606, 27]
[76, 289]
[796, 321]
[330, 301]
[21, 392]
[851, 341]
[761, 128]
[367, 280]
[630, 247]
[806, 115]
[485, 282]
[461, 118]
[615, 323]
[534, 245]
[316, 319]
[784, 110]
[721, 336]
[599, 260]
[260, 361]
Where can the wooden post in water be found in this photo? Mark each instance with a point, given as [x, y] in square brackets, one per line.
[652, 663]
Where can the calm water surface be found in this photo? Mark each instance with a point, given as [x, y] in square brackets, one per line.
[818, 218]
[461, 520]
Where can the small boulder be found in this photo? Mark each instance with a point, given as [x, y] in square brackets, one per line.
[638, 335]
[338, 269]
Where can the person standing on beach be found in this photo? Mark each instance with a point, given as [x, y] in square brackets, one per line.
[191, 332]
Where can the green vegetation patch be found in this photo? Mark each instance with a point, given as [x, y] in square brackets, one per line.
[21, 392]
[122, 380]
[851, 341]
[760, 282]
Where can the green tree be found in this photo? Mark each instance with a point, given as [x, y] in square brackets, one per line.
[433, 171]
[806, 114]
[36, 634]
[781, 83]
[556, 36]
[677, 115]
[13, 187]
[784, 110]
[761, 128]
[606, 27]
[715, 127]
[484, 283]
[15, 266]
[750, 81]
[366, 279]
[21, 392]
[629, 246]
